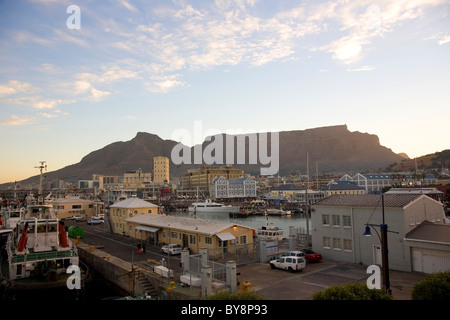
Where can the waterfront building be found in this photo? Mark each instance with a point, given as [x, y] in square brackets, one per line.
[161, 170]
[242, 188]
[194, 234]
[339, 223]
[73, 206]
[342, 187]
[374, 183]
[201, 178]
[285, 191]
[129, 208]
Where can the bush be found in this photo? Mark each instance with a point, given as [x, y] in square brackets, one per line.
[226, 295]
[435, 286]
[351, 291]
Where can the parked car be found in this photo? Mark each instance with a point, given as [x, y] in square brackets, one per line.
[290, 263]
[77, 218]
[95, 221]
[311, 256]
[171, 249]
[293, 254]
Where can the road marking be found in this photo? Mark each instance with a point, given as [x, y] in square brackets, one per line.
[154, 261]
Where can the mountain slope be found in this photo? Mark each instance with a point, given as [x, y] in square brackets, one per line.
[334, 148]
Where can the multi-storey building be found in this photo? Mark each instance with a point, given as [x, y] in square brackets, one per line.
[221, 188]
[161, 170]
[136, 178]
[201, 178]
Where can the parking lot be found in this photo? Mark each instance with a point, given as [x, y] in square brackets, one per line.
[273, 284]
[277, 284]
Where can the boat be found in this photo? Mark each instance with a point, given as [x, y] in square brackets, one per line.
[38, 251]
[209, 206]
[277, 212]
[269, 232]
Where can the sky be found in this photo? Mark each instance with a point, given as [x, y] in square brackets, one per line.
[78, 75]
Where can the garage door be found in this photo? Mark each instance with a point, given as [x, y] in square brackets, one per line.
[430, 260]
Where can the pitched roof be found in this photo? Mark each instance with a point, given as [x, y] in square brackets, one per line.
[287, 187]
[428, 231]
[133, 202]
[209, 227]
[367, 200]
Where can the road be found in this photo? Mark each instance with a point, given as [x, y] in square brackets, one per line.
[125, 248]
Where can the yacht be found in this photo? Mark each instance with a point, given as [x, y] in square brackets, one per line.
[208, 206]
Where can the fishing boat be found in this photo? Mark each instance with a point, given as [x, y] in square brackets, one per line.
[209, 206]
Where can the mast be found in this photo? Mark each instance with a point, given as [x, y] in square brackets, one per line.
[41, 178]
[307, 202]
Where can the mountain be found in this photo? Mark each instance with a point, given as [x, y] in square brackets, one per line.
[430, 162]
[334, 149]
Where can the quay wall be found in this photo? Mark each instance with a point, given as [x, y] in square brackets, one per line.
[113, 269]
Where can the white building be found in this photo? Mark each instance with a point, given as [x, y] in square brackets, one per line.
[339, 221]
[221, 188]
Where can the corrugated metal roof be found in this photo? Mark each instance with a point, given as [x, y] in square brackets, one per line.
[367, 200]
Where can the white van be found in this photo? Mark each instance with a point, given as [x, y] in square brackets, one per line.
[290, 263]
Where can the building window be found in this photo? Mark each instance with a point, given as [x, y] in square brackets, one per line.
[76, 206]
[326, 219]
[326, 242]
[348, 245]
[173, 235]
[336, 243]
[336, 220]
[243, 239]
[60, 207]
[192, 239]
[208, 240]
[347, 221]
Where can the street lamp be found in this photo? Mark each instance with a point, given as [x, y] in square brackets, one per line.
[384, 246]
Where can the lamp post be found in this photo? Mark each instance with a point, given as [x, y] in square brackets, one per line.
[384, 246]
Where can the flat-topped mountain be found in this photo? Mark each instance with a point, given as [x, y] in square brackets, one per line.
[334, 148]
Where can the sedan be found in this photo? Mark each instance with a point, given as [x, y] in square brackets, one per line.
[171, 249]
[95, 221]
[311, 256]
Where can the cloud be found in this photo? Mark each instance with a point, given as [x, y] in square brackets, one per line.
[14, 120]
[14, 87]
[363, 68]
[162, 84]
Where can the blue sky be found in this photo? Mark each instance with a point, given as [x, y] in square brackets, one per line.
[380, 67]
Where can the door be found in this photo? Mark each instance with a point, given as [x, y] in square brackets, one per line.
[185, 241]
[377, 255]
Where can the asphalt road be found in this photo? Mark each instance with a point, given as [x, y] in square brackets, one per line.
[125, 248]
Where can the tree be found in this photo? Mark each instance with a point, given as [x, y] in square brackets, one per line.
[351, 291]
[435, 286]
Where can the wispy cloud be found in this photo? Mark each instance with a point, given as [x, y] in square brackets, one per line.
[14, 120]
[363, 68]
